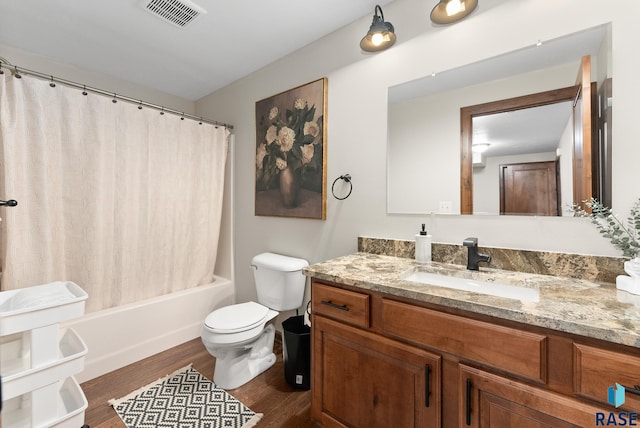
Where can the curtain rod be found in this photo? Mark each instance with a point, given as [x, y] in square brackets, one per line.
[16, 71]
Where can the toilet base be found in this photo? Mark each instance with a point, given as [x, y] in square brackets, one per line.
[235, 367]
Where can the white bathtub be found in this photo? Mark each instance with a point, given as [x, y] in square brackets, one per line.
[123, 335]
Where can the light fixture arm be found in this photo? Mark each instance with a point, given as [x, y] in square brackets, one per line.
[377, 18]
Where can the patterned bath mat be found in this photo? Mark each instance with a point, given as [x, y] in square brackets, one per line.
[183, 399]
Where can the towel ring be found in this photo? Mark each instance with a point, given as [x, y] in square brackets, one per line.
[346, 178]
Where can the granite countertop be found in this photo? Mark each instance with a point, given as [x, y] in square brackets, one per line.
[582, 307]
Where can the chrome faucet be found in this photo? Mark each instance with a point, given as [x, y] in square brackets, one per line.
[474, 257]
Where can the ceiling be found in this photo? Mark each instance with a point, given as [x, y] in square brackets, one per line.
[120, 38]
[525, 131]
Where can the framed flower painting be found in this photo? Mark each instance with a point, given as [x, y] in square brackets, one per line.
[291, 130]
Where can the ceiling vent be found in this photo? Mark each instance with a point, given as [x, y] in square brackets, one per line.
[178, 12]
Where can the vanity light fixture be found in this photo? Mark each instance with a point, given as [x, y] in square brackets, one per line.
[480, 147]
[381, 34]
[450, 11]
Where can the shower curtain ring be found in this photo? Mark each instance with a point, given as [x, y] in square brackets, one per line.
[182, 118]
[53, 85]
[17, 74]
[84, 89]
[140, 106]
[114, 100]
[162, 111]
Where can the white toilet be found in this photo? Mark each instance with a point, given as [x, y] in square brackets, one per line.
[241, 336]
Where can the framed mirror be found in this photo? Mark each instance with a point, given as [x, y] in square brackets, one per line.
[424, 170]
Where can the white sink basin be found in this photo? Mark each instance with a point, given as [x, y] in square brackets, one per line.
[491, 288]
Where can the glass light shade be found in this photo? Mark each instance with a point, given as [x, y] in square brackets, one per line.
[377, 41]
[450, 11]
[454, 7]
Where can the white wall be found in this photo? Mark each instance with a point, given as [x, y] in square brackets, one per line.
[105, 82]
[565, 149]
[357, 130]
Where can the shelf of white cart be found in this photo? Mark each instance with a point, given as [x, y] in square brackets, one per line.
[39, 306]
[20, 376]
[38, 360]
[68, 408]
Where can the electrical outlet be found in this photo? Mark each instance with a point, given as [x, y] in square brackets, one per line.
[445, 207]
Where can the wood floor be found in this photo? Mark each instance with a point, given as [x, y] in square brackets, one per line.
[282, 405]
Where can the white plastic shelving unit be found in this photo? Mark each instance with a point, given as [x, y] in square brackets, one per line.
[38, 359]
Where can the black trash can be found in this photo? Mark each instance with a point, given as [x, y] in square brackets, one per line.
[296, 350]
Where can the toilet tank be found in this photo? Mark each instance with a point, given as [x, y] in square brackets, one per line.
[279, 280]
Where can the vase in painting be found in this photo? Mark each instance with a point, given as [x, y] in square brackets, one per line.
[289, 187]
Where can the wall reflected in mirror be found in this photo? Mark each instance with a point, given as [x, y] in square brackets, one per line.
[424, 128]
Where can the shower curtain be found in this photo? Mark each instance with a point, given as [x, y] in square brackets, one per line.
[123, 201]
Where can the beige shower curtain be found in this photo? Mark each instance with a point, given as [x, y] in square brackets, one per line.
[124, 202]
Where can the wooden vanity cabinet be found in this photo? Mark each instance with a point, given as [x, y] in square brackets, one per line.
[347, 306]
[377, 358]
[596, 369]
[362, 379]
[489, 400]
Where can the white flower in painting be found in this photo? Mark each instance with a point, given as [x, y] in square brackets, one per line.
[281, 163]
[261, 153]
[307, 153]
[286, 136]
[272, 134]
[273, 113]
[300, 103]
[311, 128]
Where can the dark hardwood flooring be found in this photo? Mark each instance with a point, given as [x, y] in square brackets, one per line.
[281, 404]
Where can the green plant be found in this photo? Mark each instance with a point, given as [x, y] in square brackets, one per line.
[625, 237]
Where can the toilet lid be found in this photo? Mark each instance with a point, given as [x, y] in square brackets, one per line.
[236, 318]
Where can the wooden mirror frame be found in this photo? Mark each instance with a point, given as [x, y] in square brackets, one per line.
[511, 104]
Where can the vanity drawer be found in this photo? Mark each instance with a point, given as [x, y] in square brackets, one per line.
[595, 370]
[343, 305]
[518, 352]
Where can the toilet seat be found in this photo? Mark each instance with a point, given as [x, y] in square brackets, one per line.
[236, 318]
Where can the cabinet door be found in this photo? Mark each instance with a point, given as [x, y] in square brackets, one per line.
[361, 379]
[595, 370]
[488, 400]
